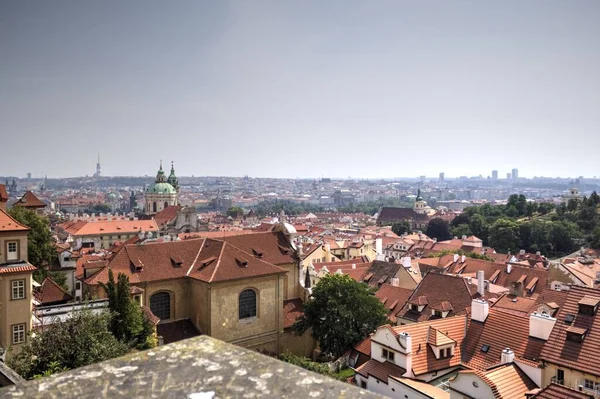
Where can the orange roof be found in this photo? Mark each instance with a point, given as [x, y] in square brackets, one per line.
[380, 370]
[7, 223]
[396, 298]
[203, 259]
[424, 360]
[29, 200]
[3, 193]
[21, 267]
[292, 310]
[506, 382]
[50, 292]
[575, 355]
[121, 226]
[166, 215]
[555, 391]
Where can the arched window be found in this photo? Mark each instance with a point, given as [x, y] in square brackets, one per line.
[160, 305]
[166, 204]
[247, 304]
[154, 206]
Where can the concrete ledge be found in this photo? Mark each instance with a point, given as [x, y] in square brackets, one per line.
[197, 368]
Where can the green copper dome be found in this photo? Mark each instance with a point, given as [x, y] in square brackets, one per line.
[161, 188]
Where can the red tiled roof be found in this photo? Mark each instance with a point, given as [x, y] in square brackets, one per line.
[438, 288]
[3, 193]
[29, 200]
[578, 356]
[424, 360]
[506, 382]
[151, 317]
[380, 370]
[502, 329]
[119, 226]
[275, 246]
[292, 310]
[166, 215]
[7, 223]
[50, 292]
[396, 298]
[555, 391]
[21, 267]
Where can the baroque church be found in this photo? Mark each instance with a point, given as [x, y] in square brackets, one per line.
[164, 192]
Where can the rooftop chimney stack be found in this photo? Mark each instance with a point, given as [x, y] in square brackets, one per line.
[379, 249]
[406, 262]
[480, 283]
[508, 356]
[463, 259]
[455, 258]
[541, 325]
[480, 310]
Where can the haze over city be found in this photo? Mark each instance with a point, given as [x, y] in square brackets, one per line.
[300, 89]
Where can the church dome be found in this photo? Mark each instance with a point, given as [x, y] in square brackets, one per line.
[161, 188]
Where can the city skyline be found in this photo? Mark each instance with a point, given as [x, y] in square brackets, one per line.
[377, 89]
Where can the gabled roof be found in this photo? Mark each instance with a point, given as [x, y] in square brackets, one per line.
[105, 227]
[292, 310]
[50, 292]
[167, 215]
[29, 200]
[424, 360]
[502, 329]
[555, 391]
[438, 288]
[583, 355]
[506, 381]
[380, 370]
[8, 223]
[17, 267]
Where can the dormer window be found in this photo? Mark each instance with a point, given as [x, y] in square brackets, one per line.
[588, 305]
[446, 353]
[387, 354]
[576, 334]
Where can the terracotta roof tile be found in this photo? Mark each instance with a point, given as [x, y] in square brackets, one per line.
[3, 193]
[506, 382]
[555, 391]
[19, 267]
[167, 215]
[380, 370]
[50, 292]
[7, 223]
[578, 356]
[29, 200]
[292, 310]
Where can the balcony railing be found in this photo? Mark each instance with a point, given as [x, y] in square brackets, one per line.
[199, 367]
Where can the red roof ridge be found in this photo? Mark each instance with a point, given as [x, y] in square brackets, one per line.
[196, 258]
[218, 262]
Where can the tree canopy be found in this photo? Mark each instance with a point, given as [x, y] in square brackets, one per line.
[83, 339]
[401, 228]
[341, 312]
[40, 248]
[439, 229]
[235, 212]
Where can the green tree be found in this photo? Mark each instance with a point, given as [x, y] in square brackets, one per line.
[573, 205]
[563, 236]
[545, 208]
[479, 227]
[59, 278]
[587, 218]
[504, 236]
[401, 228]
[462, 230]
[40, 248]
[128, 323]
[83, 339]
[341, 312]
[235, 212]
[595, 239]
[438, 228]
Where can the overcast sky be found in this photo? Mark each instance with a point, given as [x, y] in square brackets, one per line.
[300, 88]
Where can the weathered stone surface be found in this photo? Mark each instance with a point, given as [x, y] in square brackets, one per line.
[198, 368]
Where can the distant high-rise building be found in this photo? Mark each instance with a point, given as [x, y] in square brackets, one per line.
[442, 177]
[422, 178]
[515, 174]
[508, 176]
[494, 175]
[29, 175]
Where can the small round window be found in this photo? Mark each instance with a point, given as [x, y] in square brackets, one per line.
[475, 384]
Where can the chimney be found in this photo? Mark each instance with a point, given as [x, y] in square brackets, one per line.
[540, 325]
[479, 310]
[522, 252]
[508, 268]
[434, 240]
[455, 258]
[464, 237]
[327, 253]
[507, 356]
[354, 265]
[300, 248]
[480, 283]
[538, 253]
[406, 262]
[379, 248]
[463, 258]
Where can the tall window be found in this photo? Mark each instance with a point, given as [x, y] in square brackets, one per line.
[166, 204]
[160, 305]
[18, 289]
[154, 206]
[247, 304]
[18, 334]
[12, 251]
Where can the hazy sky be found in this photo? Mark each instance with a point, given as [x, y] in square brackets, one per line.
[300, 88]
